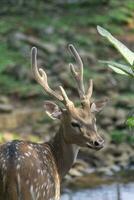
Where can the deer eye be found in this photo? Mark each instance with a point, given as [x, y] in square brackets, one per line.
[75, 125]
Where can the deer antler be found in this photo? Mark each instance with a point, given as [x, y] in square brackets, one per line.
[78, 76]
[90, 89]
[41, 78]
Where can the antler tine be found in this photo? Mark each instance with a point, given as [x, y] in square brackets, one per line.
[41, 77]
[65, 97]
[90, 89]
[78, 75]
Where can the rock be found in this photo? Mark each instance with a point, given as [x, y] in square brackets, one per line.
[75, 172]
[125, 100]
[88, 57]
[18, 72]
[48, 30]
[125, 148]
[109, 112]
[91, 180]
[99, 83]
[4, 100]
[123, 83]
[131, 161]
[132, 86]
[16, 39]
[6, 108]
[106, 122]
[108, 161]
[122, 160]
[105, 171]
[80, 164]
[120, 123]
[115, 168]
[121, 114]
[19, 117]
[104, 83]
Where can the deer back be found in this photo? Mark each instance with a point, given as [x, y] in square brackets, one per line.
[28, 172]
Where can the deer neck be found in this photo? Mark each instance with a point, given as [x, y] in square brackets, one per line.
[64, 153]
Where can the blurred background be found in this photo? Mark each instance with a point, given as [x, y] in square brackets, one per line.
[50, 26]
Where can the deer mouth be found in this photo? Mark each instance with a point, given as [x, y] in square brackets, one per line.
[91, 146]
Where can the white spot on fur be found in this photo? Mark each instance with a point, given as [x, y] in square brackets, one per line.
[32, 193]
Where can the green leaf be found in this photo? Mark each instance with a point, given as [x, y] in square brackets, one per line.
[130, 121]
[120, 68]
[118, 71]
[126, 53]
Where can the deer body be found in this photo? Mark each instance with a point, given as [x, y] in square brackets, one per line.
[34, 171]
[31, 171]
[28, 172]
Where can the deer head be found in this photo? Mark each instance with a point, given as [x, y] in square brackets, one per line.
[78, 123]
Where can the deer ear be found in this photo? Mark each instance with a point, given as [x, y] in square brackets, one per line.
[98, 105]
[52, 110]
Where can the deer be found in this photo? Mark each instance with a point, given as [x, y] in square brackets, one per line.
[34, 171]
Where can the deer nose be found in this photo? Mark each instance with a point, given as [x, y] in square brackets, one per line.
[99, 143]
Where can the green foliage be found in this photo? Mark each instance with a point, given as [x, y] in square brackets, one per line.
[125, 52]
[130, 139]
[70, 26]
[118, 137]
[120, 68]
[121, 137]
[130, 122]
[7, 57]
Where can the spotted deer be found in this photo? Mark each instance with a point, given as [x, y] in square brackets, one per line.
[33, 171]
